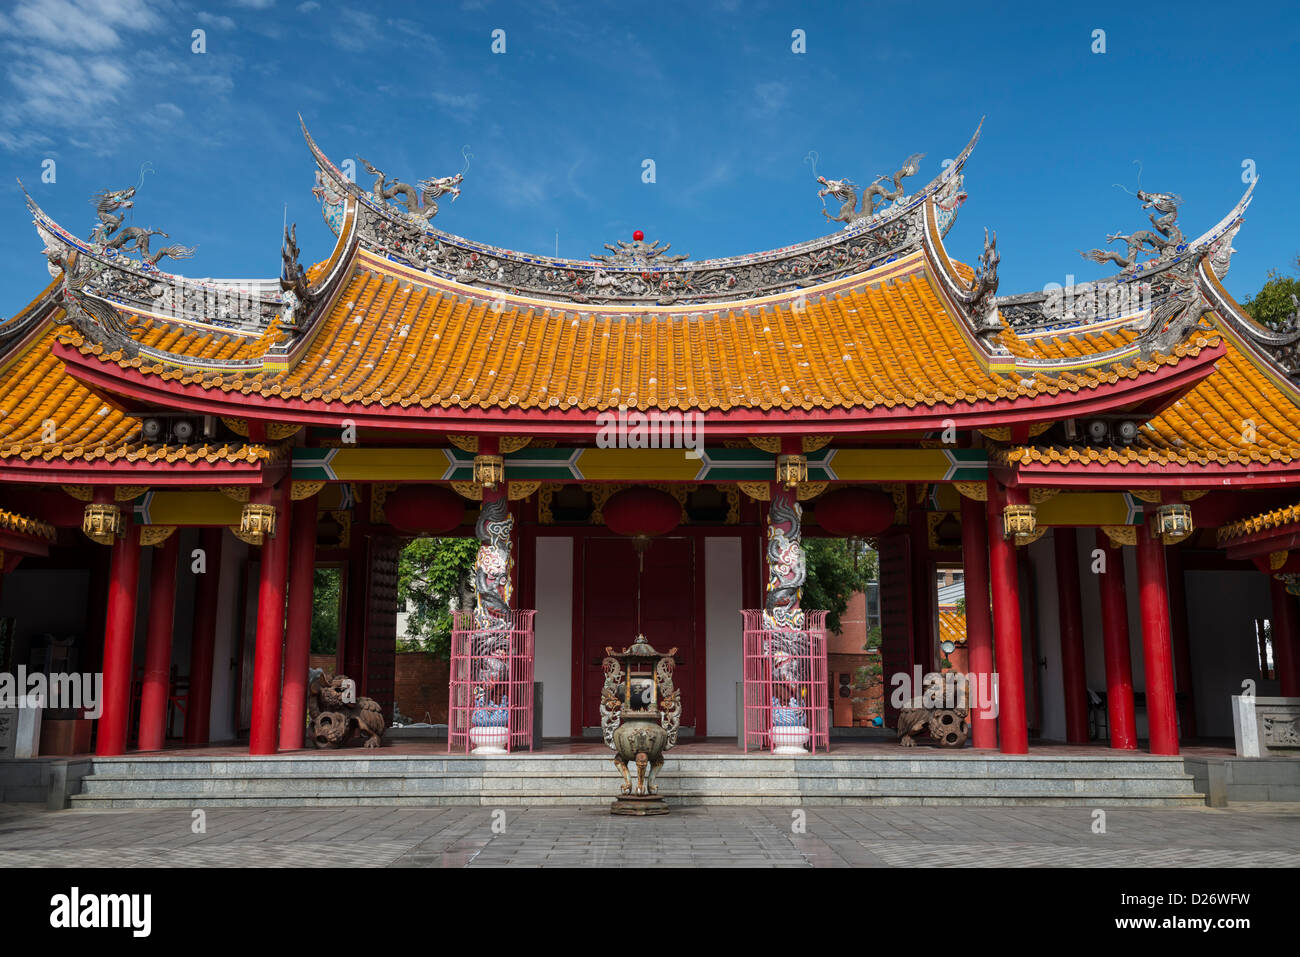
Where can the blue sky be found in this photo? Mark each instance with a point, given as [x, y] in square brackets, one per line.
[560, 124]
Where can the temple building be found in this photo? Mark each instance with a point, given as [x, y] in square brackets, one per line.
[640, 442]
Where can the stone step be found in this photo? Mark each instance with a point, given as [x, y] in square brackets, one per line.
[548, 798]
[725, 766]
[601, 783]
[313, 779]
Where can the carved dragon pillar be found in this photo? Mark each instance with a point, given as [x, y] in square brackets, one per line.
[493, 618]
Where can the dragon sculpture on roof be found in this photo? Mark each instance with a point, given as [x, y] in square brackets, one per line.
[420, 201]
[847, 192]
[109, 234]
[1165, 240]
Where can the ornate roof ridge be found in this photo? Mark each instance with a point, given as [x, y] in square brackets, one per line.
[1063, 309]
[407, 237]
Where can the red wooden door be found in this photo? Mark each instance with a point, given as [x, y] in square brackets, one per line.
[609, 612]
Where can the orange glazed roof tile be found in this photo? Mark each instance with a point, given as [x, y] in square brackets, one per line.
[952, 625]
[13, 522]
[1236, 415]
[882, 339]
[1277, 518]
[46, 415]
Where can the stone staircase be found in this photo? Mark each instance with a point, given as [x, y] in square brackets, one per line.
[924, 778]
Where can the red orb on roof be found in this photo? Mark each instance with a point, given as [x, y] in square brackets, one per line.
[638, 235]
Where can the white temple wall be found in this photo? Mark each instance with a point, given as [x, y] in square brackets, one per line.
[553, 633]
[722, 632]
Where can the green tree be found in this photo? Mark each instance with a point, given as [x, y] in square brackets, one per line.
[837, 567]
[326, 593]
[434, 576]
[1272, 305]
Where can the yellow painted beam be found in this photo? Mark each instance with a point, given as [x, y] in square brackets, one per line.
[664, 465]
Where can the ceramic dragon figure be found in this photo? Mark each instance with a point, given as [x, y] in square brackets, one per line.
[873, 197]
[492, 621]
[1166, 238]
[388, 190]
[136, 238]
[107, 203]
[87, 313]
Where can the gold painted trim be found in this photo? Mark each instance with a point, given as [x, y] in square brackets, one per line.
[975, 491]
[470, 490]
[155, 534]
[301, 490]
[1121, 534]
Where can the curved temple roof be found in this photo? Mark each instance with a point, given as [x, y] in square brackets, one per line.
[870, 329]
[408, 239]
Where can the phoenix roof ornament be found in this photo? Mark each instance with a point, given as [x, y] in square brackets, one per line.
[639, 253]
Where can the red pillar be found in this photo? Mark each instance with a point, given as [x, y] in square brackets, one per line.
[1286, 638]
[979, 620]
[1182, 641]
[119, 643]
[1157, 651]
[204, 639]
[158, 646]
[1119, 663]
[1006, 629]
[1073, 675]
[297, 638]
[268, 654]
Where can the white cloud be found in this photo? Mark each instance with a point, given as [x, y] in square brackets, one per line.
[308, 7]
[219, 21]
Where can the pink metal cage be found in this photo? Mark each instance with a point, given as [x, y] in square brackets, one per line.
[786, 697]
[490, 707]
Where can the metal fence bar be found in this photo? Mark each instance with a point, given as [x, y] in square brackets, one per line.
[491, 694]
[786, 704]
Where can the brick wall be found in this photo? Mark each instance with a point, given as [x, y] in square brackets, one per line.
[421, 686]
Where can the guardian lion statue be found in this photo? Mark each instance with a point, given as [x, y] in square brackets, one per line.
[336, 712]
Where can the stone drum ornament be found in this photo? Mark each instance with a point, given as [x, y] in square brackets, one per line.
[640, 712]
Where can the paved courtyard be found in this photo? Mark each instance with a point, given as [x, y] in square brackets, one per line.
[1245, 835]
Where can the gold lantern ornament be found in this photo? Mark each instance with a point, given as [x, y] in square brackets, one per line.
[489, 470]
[1173, 523]
[257, 523]
[791, 470]
[1019, 521]
[102, 523]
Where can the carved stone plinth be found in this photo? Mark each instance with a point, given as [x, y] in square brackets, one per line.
[639, 805]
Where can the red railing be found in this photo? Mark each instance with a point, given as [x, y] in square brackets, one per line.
[490, 706]
[786, 705]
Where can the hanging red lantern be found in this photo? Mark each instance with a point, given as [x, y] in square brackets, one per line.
[854, 512]
[424, 509]
[642, 512]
